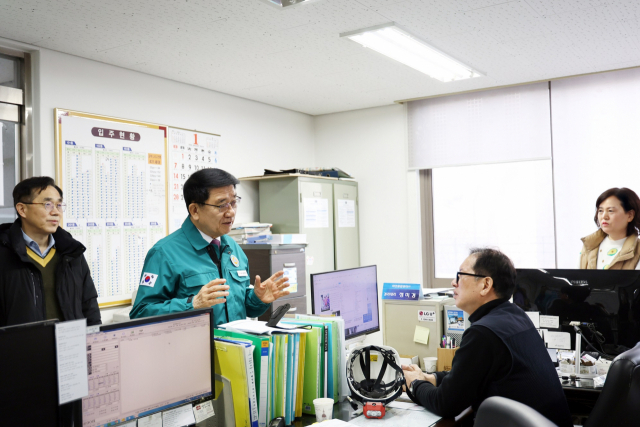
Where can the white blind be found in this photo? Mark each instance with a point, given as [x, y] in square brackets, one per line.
[495, 126]
[596, 146]
[508, 206]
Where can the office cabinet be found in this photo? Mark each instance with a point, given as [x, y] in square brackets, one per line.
[346, 225]
[302, 205]
[400, 319]
[266, 260]
[325, 209]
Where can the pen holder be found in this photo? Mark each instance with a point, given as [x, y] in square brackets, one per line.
[445, 358]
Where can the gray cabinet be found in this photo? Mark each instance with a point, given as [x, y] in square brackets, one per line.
[302, 205]
[266, 260]
[325, 209]
[346, 225]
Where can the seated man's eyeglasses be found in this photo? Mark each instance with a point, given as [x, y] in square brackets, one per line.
[225, 207]
[459, 273]
[49, 205]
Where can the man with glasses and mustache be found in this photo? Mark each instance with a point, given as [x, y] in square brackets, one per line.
[500, 354]
[199, 266]
[43, 272]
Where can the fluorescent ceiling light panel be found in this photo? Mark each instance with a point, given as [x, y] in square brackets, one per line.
[398, 44]
[281, 4]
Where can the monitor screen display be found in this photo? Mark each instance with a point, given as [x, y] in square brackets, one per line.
[351, 294]
[28, 382]
[609, 299]
[144, 366]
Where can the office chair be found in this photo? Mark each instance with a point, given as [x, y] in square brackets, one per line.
[619, 403]
[503, 412]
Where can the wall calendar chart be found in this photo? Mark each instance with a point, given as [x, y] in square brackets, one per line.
[189, 151]
[113, 176]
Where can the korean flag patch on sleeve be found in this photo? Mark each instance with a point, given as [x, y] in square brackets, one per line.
[148, 279]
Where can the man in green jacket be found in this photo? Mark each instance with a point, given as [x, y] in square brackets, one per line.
[199, 266]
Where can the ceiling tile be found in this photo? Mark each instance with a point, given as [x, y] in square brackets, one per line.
[295, 58]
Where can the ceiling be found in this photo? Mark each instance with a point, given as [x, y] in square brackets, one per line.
[295, 59]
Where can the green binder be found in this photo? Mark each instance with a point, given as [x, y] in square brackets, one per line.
[313, 387]
[335, 349]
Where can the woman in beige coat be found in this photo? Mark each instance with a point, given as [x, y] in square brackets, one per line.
[615, 246]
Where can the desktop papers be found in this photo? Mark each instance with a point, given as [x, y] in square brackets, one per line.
[261, 328]
[178, 417]
[558, 340]
[535, 318]
[549, 322]
[409, 406]
[71, 354]
[154, 420]
[203, 411]
[399, 417]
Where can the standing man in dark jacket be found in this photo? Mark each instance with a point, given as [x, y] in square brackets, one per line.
[500, 354]
[43, 272]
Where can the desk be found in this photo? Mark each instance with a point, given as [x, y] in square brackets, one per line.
[581, 396]
[343, 411]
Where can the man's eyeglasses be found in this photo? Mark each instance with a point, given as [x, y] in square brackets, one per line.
[459, 273]
[49, 205]
[223, 208]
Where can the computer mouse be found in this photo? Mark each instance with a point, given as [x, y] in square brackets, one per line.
[277, 422]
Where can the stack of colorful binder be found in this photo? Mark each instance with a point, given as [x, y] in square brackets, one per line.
[278, 374]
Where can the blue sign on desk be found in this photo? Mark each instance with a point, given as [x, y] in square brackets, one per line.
[402, 291]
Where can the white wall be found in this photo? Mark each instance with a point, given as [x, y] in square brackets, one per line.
[371, 145]
[254, 135]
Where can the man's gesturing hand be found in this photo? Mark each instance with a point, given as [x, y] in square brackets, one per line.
[271, 289]
[211, 294]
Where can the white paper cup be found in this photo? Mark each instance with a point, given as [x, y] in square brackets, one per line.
[430, 364]
[324, 408]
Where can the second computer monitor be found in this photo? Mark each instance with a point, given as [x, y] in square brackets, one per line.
[351, 294]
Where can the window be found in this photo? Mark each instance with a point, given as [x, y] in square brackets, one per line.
[11, 111]
[508, 206]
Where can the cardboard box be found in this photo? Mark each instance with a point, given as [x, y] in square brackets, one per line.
[445, 358]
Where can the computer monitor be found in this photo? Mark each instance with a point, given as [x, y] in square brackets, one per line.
[28, 382]
[144, 366]
[456, 321]
[351, 294]
[609, 299]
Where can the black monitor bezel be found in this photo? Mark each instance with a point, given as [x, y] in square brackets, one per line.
[359, 334]
[39, 324]
[574, 274]
[167, 317]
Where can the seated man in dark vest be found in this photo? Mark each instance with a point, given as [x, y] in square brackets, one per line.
[501, 353]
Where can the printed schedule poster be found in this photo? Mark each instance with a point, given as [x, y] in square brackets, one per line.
[189, 151]
[113, 175]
